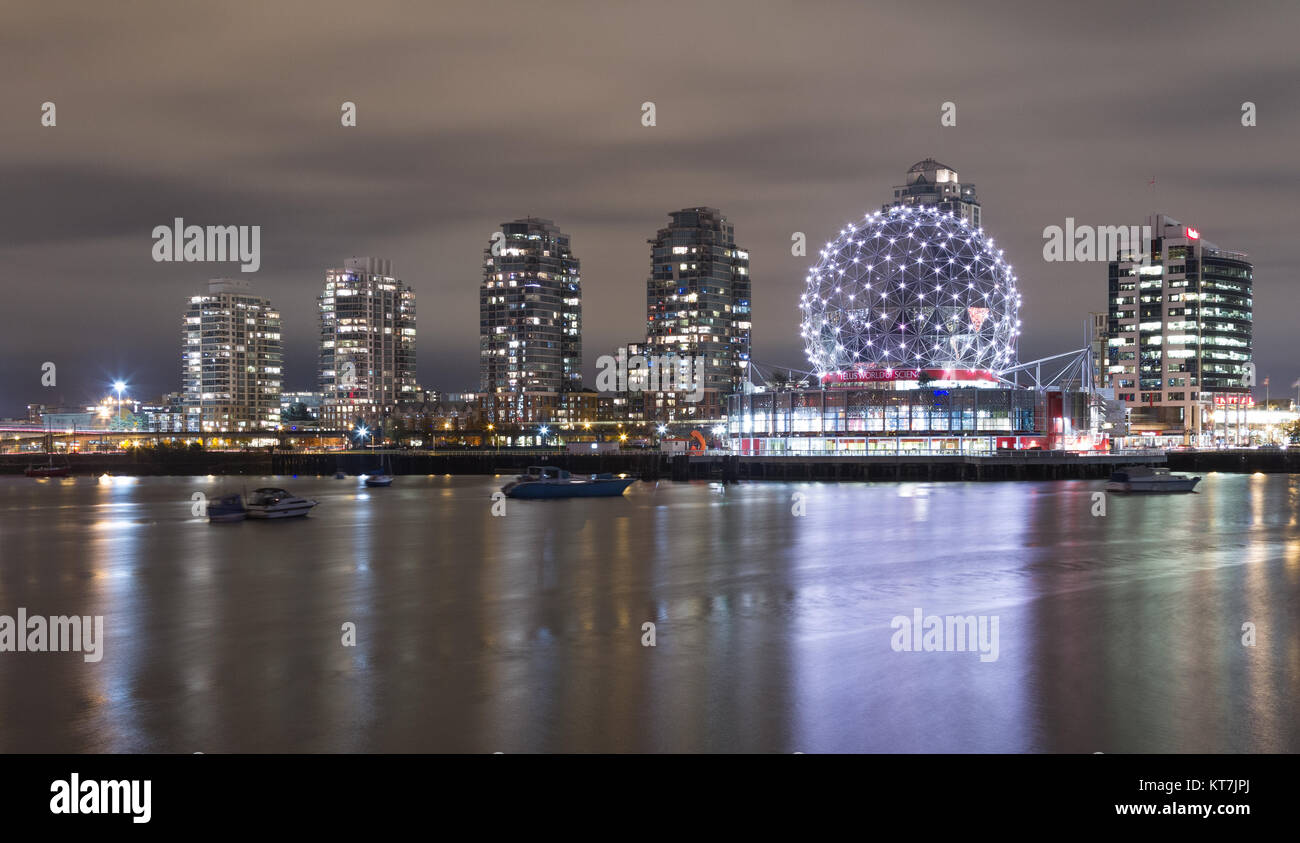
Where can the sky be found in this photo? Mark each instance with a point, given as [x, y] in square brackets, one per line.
[789, 117]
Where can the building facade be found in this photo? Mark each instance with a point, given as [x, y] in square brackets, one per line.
[232, 360]
[938, 186]
[367, 344]
[698, 312]
[530, 320]
[850, 419]
[1180, 332]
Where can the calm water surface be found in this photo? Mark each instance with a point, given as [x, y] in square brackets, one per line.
[523, 633]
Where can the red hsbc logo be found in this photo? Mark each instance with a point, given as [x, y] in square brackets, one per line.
[1193, 234]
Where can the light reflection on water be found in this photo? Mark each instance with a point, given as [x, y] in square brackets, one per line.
[476, 633]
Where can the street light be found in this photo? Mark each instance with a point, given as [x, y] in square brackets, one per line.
[119, 386]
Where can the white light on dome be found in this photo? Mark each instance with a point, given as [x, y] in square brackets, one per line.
[970, 324]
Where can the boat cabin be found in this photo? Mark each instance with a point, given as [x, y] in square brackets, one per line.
[546, 472]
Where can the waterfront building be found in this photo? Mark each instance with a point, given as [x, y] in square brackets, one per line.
[1179, 333]
[938, 186]
[530, 321]
[910, 320]
[232, 360]
[698, 313]
[367, 344]
[166, 415]
[303, 403]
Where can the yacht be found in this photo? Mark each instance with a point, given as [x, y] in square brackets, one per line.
[545, 481]
[277, 503]
[1146, 478]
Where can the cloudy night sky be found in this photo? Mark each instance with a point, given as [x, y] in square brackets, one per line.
[790, 117]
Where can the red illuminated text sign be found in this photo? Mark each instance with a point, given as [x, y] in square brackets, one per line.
[879, 375]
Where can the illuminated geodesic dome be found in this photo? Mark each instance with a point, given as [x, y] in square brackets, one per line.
[911, 287]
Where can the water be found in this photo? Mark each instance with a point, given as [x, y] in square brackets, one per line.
[523, 633]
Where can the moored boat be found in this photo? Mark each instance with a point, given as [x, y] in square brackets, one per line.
[277, 503]
[47, 471]
[383, 476]
[1145, 478]
[544, 481]
[227, 508]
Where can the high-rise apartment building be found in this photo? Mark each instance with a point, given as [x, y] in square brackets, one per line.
[698, 313]
[367, 344]
[1180, 331]
[232, 360]
[530, 320]
[938, 185]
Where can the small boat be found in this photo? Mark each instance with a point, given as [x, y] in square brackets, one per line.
[277, 503]
[49, 469]
[383, 476]
[1145, 478]
[227, 508]
[545, 481]
[340, 475]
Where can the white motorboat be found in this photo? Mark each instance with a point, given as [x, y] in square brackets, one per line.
[277, 503]
[1146, 478]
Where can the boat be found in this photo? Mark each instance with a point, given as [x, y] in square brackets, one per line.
[545, 481]
[227, 508]
[340, 475]
[277, 503]
[382, 476]
[1146, 478]
[49, 469]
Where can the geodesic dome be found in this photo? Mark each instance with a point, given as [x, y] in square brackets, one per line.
[911, 287]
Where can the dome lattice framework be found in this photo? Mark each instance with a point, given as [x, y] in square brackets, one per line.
[910, 287]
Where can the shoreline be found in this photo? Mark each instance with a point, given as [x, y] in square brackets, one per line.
[654, 465]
